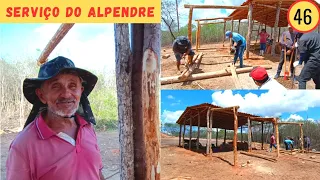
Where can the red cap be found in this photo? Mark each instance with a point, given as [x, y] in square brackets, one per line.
[258, 73]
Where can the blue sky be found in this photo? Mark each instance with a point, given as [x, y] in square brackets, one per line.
[295, 105]
[90, 46]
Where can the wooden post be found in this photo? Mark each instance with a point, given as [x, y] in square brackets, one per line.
[199, 36]
[271, 32]
[235, 136]
[273, 49]
[190, 133]
[249, 134]
[277, 134]
[225, 135]
[211, 117]
[249, 29]
[198, 139]
[301, 137]
[190, 25]
[184, 131]
[180, 135]
[239, 25]
[262, 136]
[231, 31]
[241, 134]
[217, 137]
[279, 34]
[224, 32]
[208, 145]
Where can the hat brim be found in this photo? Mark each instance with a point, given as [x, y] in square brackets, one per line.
[31, 84]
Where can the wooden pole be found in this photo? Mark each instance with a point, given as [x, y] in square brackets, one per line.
[249, 29]
[217, 137]
[273, 49]
[279, 34]
[184, 131]
[249, 135]
[180, 135]
[301, 137]
[208, 126]
[177, 10]
[224, 32]
[197, 36]
[211, 119]
[198, 139]
[213, 7]
[231, 31]
[272, 7]
[262, 136]
[239, 25]
[225, 135]
[235, 136]
[241, 134]
[55, 40]
[190, 25]
[190, 133]
[211, 19]
[277, 134]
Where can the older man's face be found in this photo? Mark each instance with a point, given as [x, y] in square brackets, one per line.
[62, 94]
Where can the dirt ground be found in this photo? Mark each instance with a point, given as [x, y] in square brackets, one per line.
[182, 164]
[210, 63]
[108, 143]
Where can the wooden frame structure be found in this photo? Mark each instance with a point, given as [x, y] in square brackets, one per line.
[137, 75]
[211, 116]
[301, 132]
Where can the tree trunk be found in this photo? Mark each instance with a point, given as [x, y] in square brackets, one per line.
[177, 15]
[275, 33]
[249, 30]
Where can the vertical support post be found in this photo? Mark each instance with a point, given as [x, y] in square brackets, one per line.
[301, 137]
[208, 117]
[184, 131]
[277, 134]
[224, 31]
[273, 49]
[239, 25]
[217, 137]
[198, 138]
[249, 29]
[272, 32]
[190, 25]
[279, 34]
[249, 134]
[241, 135]
[197, 36]
[225, 136]
[180, 135]
[211, 117]
[262, 136]
[235, 136]
[231, 31]
[190, 132]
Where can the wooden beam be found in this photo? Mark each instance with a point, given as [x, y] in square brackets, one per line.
[55, 40]
[235, 136]
[235, 77]
[249, 29]
[224, 109]
[277, 136]
[269, 6]
[239, 25]
[211, 120]
[211, 19]
[273, 49]
[249, 135]
[225, 72]
[213, 7]
[262, 136]
[198, 137]
[190, 133]
[211, 23]
[208, 126]
[190, 25]
[293, 123]
[217, 137]
[224, 32]
[259, 156]
[180, 135]
[301, 137]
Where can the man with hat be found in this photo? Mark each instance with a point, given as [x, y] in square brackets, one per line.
[239, 44]
[182, 47]
[58, 140]
[287, 49]
[263, 81]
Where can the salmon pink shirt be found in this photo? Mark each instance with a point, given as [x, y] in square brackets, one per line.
[38, 153]
[263, 37]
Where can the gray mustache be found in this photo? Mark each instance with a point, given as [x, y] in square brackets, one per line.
[66, 100]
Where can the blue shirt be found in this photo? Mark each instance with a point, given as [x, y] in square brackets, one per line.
[237, 37]
[288, 141]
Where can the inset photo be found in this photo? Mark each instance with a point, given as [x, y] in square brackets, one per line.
[236, 45]
[239, 134]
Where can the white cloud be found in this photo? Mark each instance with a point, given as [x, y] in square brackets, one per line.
[93, 51]
[170, 97]
[176, 103]
[271, 103]
[294, 117]
[170, 116]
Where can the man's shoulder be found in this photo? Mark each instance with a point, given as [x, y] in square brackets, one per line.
[25, 137]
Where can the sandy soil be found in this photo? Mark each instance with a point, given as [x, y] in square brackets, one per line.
[210, 63]
[108, 143]
[178, 163]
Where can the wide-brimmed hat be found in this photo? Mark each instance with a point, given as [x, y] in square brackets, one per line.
[52, 68]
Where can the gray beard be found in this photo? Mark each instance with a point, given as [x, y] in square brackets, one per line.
[64, 115]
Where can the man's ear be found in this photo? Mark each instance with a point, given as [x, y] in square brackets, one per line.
[40, 95]
[82, 88]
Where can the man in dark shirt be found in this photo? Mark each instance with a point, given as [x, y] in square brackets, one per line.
[182, 47]
[309, 46]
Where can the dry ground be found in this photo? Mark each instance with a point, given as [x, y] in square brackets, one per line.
[178, 163]
[108, 143]
[210, 64]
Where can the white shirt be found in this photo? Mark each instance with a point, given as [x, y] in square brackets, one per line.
[272, 84]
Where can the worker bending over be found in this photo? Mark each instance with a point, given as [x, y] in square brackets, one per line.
[182, 47]
[239, 43]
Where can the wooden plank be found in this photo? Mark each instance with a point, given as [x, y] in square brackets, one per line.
[212, 19]
[190, 25]
[225, 72]
[213, 7]
[55, 40]
[248, 40]
[235, 77]
[273, 48]
[235, 137]
[259, 156]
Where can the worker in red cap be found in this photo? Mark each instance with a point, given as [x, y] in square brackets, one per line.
[262, 79]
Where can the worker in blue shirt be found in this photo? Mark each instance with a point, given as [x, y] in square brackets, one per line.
[239, 44]
[288, 142]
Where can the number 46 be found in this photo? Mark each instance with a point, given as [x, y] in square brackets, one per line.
[307, 18]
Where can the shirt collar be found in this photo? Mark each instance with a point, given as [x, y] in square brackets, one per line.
[46, 132]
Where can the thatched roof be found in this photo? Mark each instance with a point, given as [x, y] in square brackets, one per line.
[263, 14]
[223, 118]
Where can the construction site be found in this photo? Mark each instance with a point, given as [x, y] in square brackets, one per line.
[212, 66]
[245, 154]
